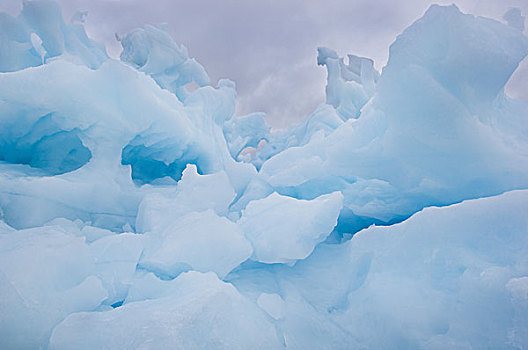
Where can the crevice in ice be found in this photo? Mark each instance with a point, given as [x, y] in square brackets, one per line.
[161, 272]
[350, 223]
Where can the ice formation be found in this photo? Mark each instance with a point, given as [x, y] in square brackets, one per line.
[152, 50]
[283, 229]
[133, 215]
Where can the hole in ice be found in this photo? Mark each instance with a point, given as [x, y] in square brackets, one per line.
[146, 168]
[117, 304]
[47, 147]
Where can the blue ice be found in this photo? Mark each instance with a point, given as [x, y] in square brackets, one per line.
[137, 212]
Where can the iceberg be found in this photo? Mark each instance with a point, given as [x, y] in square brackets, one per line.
[438, 129]
[138, 210]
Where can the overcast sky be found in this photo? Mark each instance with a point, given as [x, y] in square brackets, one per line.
[268, 47]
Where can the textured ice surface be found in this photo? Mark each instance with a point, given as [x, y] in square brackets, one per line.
[349, 86]
[136, 213]
[39, 34]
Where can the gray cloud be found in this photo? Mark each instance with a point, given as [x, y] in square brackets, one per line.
[269, 47]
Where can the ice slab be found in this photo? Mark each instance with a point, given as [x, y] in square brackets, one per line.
[200, 241]
[284, 229]
[181, 320]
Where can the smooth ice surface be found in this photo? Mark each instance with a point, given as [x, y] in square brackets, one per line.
[200, 241]
[283, 229]
[272, 304]
[514, 18]
[45, 274]
[181, 320]
[137, 211]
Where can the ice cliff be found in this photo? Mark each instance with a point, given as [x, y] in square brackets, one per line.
[136, 213]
